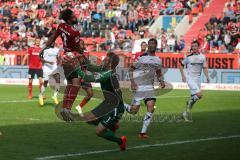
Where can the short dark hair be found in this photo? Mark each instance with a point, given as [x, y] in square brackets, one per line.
[65, 14]
[143, 43]
[114, 59]
[195, 41]
[153, 39]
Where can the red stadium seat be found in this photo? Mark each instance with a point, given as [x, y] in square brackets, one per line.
[89, 41]
[98, 40]
[195, 10]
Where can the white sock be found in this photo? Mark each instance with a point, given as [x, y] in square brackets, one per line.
[57, 88]
[146, 121]
[127, 107]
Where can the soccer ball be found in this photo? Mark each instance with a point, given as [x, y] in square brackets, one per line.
[69, 54]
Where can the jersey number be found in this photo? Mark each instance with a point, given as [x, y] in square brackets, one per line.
[64, 39]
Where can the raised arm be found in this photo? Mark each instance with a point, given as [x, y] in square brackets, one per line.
[51, 39]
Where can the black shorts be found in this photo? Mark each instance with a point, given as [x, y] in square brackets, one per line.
[149, 99]
[32, 72]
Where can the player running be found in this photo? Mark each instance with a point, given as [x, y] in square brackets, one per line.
[70, 36]
[49, 59]
[142, 76]
[35, 68]
[86, 86]
[107, 114]
[195, 63]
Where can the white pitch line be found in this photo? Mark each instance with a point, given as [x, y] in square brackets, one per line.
[34, 119]
[28, 101]
[137, 147]
[163, 97]
[17, 101]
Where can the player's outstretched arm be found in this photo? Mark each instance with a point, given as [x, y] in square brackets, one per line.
[101, 77]
[94, 68]
[50, 41]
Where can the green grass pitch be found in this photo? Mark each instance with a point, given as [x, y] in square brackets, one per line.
[29, 131]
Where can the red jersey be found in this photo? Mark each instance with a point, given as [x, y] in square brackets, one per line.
[69, 35]
[138, 54]
[34, 60]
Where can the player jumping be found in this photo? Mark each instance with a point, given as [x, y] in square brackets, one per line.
[70, 36]
[35, 67]
[49, 59]
[142, 76]
[195, 63]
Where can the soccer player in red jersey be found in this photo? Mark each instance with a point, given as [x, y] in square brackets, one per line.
[71, 45]
[35, 67]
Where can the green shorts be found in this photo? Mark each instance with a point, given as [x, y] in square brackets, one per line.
[110, 119]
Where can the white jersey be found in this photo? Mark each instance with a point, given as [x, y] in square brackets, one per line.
[144, 75]
[194, 64]
[50, 55]
[146, 67]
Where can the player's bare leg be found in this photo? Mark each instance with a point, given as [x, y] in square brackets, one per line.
[105, 133]
[57, 88]
[147, 119]
[41, 101]
[193, 99]
[70, 95]
[43, 88]
[30, 88]
[85, 100]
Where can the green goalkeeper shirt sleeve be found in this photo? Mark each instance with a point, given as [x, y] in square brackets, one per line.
[101, 77]
[92, 67]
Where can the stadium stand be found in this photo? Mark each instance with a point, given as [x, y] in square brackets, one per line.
[104, 24]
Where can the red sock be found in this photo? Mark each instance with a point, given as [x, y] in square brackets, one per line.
[84, 101]
[66, 97]
[70, 96]
[30, 88]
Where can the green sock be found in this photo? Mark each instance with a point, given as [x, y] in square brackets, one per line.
[109, 135]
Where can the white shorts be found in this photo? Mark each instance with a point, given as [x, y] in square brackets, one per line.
[145, 93]
[194, 86]
[47, 71]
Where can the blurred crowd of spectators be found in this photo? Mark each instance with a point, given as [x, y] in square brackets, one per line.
[104, 23]
[221, 34]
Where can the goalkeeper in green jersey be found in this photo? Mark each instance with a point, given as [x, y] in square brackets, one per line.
[107, 114]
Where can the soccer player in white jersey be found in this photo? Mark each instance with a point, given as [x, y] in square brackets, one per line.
[49, 58]
[194, 63]
[142, 75]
